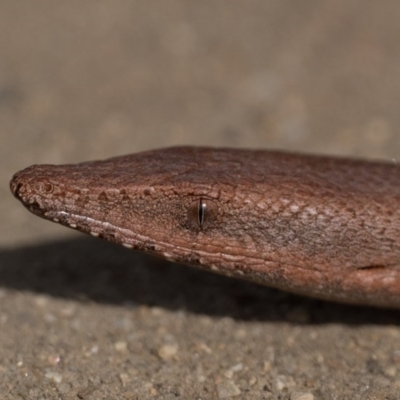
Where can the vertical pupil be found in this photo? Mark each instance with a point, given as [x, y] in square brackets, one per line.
[202, 212]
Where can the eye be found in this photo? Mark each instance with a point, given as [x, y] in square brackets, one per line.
[202, 213]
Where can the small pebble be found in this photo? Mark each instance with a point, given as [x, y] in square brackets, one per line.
[41, 301]
[85, 392]
[121, 347]
[252, 381]
[301, 396]
[227, 389]
[284, 382]
[53, 359]
[236, 368]
[124, 378]
[390, 371]
[54, 376]
[168, 351]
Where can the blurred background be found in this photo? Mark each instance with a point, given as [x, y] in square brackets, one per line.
[82, 80]
[93, 79]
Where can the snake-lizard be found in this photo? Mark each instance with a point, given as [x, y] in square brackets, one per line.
[321, 226]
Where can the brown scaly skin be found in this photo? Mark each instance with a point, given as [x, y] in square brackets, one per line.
[321, 226]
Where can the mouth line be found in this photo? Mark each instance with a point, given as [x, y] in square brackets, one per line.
[33, 207]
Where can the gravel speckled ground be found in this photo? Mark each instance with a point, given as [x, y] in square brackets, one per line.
[83, 319]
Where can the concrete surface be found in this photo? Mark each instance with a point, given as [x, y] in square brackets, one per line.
[80, 80]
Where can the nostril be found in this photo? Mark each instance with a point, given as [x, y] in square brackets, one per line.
[15, 187]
